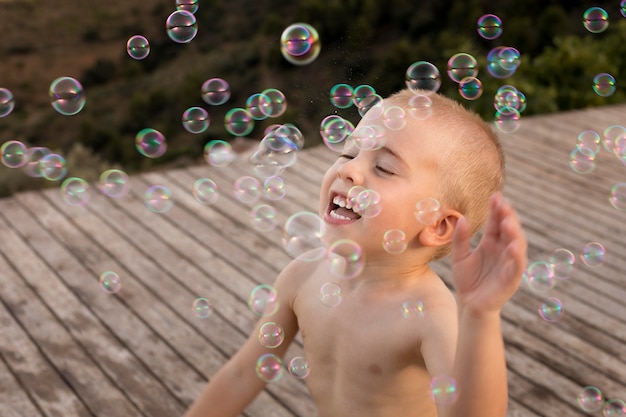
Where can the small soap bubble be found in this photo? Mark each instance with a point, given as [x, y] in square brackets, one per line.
[420, 107]
[67, 96]
[271, 335]
[302, 236]
[341, 96]
[263, 300]
[507, 96]
[502, 62]
[582, 160]
[238, 122]
[75, 191]
[507, 120]
[256, 104]
[7, 102]
[158, 199]
[413, 309]
[205, 191]
[353, 193]
[189, 5]
[371, 107]
[593, 254]
[368, 203]
[589, 139]
[138, 47]
[604, 84]
[595, 19]
[614, 407]
[345, 258]
[368, 137]
[247, 189]
[443, 390]
[563, 262]
[13, 154]
[274, 188]
[276, 103]
[622, 8]
[330, 294]
[263, 217]
[110, 282]
[150, 143]
[33, 156]
[53, 167]
[219, 153]
[181, 26]
[362, 92]
[489, 26]
[215, 91]
[299, 367]
[201, 308]
[611, 134]
[269, 368]
[427, 211]
[462, 65]
[334, 130]
[300, 44]
[423, 76]
[619, 149]
[540, 277]
[394, 118]
[590, 399]
[394, 241]
[196, 120]
[551, 310]
[470, 88]
[618, 196]
[114, 183]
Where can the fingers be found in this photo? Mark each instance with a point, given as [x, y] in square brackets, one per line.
[461, 240]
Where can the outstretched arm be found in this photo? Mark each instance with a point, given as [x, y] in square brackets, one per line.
[484, 279]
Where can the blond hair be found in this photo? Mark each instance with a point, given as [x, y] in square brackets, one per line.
[472, 168]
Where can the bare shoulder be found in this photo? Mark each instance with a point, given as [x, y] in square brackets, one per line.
[294, 276]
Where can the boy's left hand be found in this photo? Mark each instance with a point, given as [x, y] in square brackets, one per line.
[486, 277]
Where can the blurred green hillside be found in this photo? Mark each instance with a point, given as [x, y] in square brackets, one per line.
[363, 42]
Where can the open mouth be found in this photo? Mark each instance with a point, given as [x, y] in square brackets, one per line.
[341, 211]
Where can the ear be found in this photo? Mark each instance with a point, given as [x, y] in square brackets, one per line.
[440, 233]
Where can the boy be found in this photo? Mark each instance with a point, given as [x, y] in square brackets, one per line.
[365, 359]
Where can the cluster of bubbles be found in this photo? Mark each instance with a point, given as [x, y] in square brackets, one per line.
[591, 400]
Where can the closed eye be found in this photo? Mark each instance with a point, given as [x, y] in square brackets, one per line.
[384, 170]
[346, 156]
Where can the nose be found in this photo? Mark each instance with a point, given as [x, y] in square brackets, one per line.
[351, 171]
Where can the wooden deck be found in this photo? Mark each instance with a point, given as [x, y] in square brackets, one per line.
[69, 349]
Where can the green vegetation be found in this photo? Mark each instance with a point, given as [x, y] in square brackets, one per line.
[363, 42]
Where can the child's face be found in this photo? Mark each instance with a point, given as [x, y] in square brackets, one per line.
[402, 172]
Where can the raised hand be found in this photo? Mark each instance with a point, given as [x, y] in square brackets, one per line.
[487, 276]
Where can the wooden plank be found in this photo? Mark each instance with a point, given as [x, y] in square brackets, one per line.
[78, 301]
[26, 300]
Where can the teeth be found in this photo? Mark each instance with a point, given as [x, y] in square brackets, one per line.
[342, 202]
[334, 215]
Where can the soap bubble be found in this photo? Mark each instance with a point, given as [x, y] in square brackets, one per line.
[33, 156]
[368, 137]
[238, 122]
[150, 143]
[551, 310]
[362, 92]
[263, 217]
[423, 76]
[110, 282]
[189, 5]
[114, 183]
[507, 96]
[582, 160]
[205, 191]
[271, 335]
[489, 26]
[158, 199]
[604, 84]
[614, 407]
[215, 91]
[247, 189]
[470, 88]
[540, 276]
[201, 308]
[255, 104]
[368, 203]
[345, 258]
[443, 390]
[274, 188]
[299, 367]
[595, 19]
[75, 191]
[276, 102]
[302, 236]
[371, 107]
[611, 134]
[300, 44]
[589, 139]
[269, 368]
[502, 61]
[67, 96]
[618, 196]
[590, 399]
[13, 154]
[138, 47]
[219, 153]
[263, 300]
[507, 120]
[394, 241]
[334, 130]
[462, 65]
[7, 102]
[196, 120]
[593, 254]
[52, 167]
[563, 262]
[428, 211]
[330, 294]
[341, 96]
[413, 309]
[420, 107]
[394, 118]
[181, 26]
